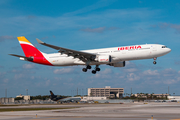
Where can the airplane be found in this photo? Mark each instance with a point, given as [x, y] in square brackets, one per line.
[115, 56]
[55, 97]
[62, 99]
[70, 99]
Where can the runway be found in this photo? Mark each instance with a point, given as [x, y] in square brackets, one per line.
[128, 111]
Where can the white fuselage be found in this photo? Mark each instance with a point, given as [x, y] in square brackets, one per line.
[125, 53]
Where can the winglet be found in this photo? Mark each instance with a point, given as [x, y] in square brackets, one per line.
[39, 41]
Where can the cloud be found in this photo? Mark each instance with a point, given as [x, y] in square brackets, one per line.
[3, 38]
[95, 30]
[47, 82]
[169, 72]
[19, 76]
[132, 77]
[1, 66]
[107, 73]
[177, 62]
[170, 81]
[43, 38]
[110, 17]
[151, 73]
[31, 17]
[28, 66]
[98, 30]
[6, 80]
[131, 70]
[2, 74]
[57, 78]
[63, 71]
[97, 5]
[165, 25]
[176, 27]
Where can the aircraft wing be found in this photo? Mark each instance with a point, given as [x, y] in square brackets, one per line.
[84, 56]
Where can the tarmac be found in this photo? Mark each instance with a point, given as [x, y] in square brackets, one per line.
[127, 111]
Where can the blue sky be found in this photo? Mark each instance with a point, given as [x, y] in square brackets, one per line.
[84, 25]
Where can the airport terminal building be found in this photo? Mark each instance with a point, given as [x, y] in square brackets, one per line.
[106, 92]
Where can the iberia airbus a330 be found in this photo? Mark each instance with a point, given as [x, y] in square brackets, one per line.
[115, 56]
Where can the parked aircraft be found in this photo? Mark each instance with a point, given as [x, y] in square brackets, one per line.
[62, 99]
[115, 56]
[55, 97]
[70, 99]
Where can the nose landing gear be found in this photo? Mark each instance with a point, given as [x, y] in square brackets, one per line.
[155, 61]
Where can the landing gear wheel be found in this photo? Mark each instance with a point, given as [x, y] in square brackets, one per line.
[84, 70]
[88, 67]
[98, 69]
[93, 71]
[154, 62]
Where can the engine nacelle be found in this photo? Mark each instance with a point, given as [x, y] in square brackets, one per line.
[118, 64]
[27, 58]
[103, 58]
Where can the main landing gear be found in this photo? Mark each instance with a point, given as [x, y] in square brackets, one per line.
[155, 61]
[96, 69]
[89, 67]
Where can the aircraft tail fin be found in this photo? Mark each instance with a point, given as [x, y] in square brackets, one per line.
[31, 52]
[51, 93]
[29, 49]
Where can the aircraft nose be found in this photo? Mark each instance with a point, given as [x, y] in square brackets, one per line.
[169, 50]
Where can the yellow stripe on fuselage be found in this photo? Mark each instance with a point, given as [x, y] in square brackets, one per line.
[23, 39]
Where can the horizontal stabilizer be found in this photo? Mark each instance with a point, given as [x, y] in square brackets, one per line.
[25, 58]
[17, 55]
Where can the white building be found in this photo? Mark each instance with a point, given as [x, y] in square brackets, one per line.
[25, 97]
[150, 95]
[106, 92]
[174, 98]
[93, 98]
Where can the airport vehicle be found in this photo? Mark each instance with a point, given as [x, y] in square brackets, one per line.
[115, 56]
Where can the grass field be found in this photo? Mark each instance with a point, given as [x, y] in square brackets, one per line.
[31, 109]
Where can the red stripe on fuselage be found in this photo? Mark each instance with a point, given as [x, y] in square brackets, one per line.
[31, 51]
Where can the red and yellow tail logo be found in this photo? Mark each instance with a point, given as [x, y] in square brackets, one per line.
[28, 48]
[31, 51]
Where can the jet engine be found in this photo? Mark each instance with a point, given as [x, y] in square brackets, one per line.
[103, 58]
[118, 64]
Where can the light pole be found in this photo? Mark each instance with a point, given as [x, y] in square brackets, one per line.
[26, 91]
[6, 93]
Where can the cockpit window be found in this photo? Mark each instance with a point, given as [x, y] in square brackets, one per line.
[164, 46]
